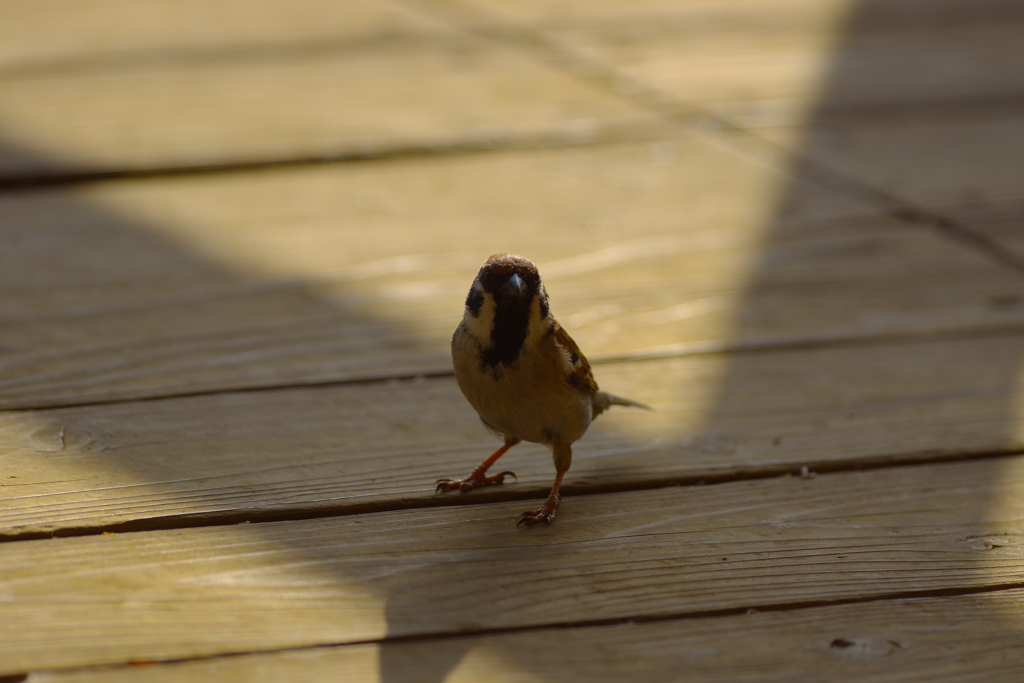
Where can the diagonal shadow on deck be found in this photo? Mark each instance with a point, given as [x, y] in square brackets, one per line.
[107, 264]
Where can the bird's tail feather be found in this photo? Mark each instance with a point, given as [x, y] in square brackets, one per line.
[613, 400]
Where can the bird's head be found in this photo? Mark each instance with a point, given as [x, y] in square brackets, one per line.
[507, 308]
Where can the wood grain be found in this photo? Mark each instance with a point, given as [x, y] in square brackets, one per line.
[889, 641]
[664, 553]
[349, 449]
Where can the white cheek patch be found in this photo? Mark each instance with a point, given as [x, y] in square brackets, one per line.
[539, 323]
[480, 325]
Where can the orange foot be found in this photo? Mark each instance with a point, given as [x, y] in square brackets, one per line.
[472, 481]
[546, 514]
[478, 476]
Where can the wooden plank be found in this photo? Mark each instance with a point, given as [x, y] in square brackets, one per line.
[967, 170]
[234, 457]
[158, 287]
[1002, 226]
[766, 63]
[47, 35]
[370, 99]
[724, 15]
[664, 553]
[941, 639]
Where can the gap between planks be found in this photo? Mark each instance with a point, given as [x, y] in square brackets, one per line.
[682, 350]
[554, 628]
[566, 136]
[810, 469]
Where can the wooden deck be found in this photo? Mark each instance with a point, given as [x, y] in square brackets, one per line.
[234, 242]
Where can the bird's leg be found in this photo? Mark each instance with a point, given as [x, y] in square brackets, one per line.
[545, 514]
[478, 476]
[563, 458]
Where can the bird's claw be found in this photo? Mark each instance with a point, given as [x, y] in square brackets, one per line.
[471, 482]
[545, 514]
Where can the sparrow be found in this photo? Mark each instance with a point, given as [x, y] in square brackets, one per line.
[523, 374]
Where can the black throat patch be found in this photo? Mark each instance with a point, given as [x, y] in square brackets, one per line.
[511, 322]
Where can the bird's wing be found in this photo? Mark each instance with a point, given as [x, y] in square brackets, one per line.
[580, 375]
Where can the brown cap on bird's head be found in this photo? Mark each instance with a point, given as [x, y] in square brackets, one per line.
[503, 265]
[502, 269]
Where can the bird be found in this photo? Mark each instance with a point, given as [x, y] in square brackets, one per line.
[523, 374]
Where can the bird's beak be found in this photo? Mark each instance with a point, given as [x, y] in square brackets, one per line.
[515, 283]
